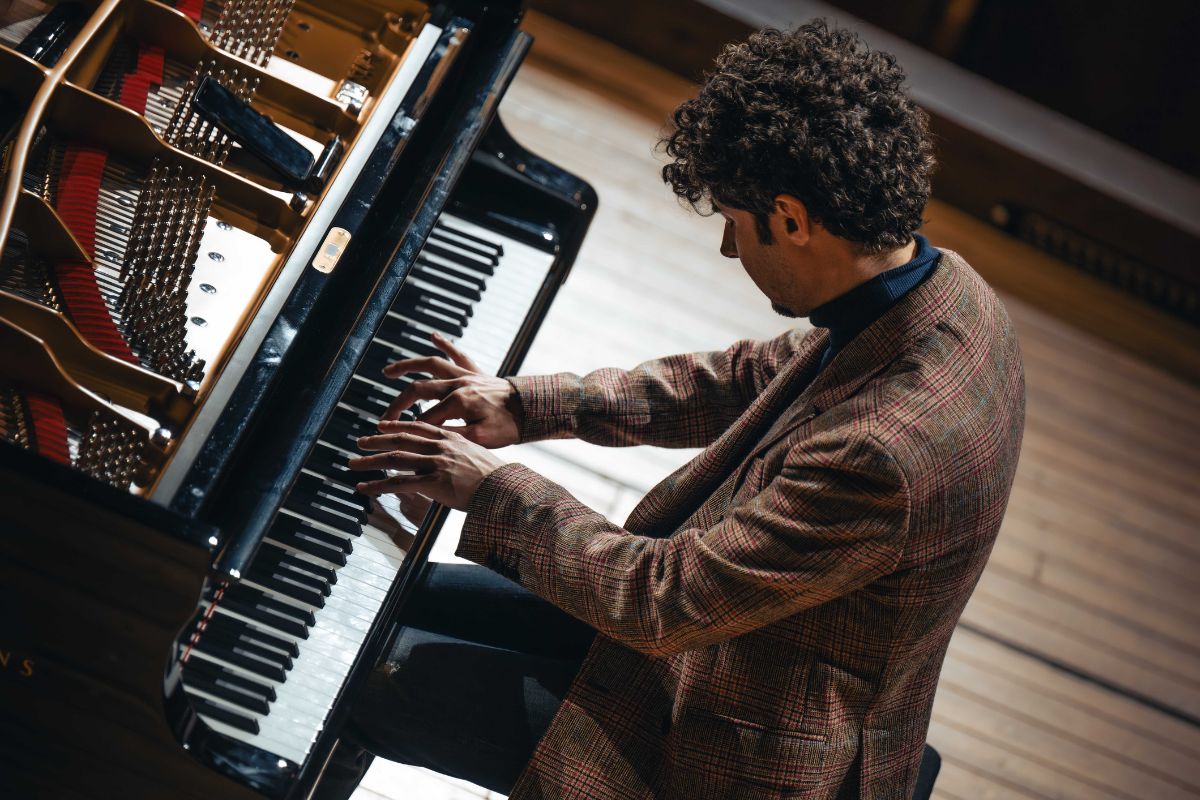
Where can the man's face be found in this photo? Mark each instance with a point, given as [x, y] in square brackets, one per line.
[764, 263]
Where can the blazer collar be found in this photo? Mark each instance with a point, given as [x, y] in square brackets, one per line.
[878, 345]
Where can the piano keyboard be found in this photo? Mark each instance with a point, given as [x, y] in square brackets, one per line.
[270, 661]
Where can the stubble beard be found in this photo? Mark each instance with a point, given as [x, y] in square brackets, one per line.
[783, 311]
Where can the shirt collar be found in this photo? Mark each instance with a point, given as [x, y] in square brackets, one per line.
[849, 314]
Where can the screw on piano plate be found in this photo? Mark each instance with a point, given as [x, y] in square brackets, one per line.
[223, 225]
[199, 322]
[161, 437]
[304, 26]
[215, 256]
[293, 55]
[208, 288]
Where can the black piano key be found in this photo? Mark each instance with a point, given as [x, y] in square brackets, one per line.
[325, 517]
[250, 702]
[223, 714]
[433, 278]
[433, 321]
[348, 424]
[332, 499]
[230, 653]
[345, 439]
[343, 499]
[284, 582]
[248, 594]
[366, 396]
[326, 461]
[459, 257]
[274, 554]
[378, 356]
[487, 254]
[334, 466]
[415, 296]
[410, 340]
[287, 624]
[304, 544]
[454, 276]
[497, 247]
[399, 331]
[236, 626]
[221, 675]
[237, 640]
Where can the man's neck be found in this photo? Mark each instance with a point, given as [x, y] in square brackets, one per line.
[857, 269]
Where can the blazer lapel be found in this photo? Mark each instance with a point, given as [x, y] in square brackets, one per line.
[871, 351]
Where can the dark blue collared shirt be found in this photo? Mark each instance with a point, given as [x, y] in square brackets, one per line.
[850, 314]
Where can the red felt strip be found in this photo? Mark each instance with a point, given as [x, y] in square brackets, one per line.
[49, 426]
[190, 7]
[78, 193]
[149, 72]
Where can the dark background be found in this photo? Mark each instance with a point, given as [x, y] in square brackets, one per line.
[1126, 68]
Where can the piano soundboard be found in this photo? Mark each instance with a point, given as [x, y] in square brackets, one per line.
[219, 220]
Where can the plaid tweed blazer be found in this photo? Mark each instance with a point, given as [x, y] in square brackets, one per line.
[775, 613]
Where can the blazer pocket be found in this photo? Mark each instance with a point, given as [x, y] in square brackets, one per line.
[732, 757]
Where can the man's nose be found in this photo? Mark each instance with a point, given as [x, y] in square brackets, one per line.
[728, 243]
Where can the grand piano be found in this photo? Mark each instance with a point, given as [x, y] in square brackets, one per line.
[218, 221]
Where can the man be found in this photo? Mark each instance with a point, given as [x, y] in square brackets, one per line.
[771, 619]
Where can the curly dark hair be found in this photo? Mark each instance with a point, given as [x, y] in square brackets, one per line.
[813, 113]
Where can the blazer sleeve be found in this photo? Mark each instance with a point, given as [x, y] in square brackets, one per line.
[679, 401]
[822, 528]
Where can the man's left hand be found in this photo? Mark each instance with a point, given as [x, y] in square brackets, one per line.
[446, 467]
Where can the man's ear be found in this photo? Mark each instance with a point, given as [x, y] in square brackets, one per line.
[793, 218]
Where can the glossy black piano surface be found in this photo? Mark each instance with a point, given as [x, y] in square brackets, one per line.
[205, 637]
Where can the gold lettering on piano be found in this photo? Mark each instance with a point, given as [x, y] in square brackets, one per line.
[331, 250]
[23, 667]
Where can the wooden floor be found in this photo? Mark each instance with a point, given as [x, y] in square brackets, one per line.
[1076, 670]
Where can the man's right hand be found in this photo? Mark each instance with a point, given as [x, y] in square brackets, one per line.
[485, 403]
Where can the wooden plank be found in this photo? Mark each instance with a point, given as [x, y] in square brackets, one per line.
[1140, 598]
[1105, 464]
[1028, 736]
[1159, 397]
[1099, 702]
[1086, 623]
[1000, 763]
[1120, 664]
[1089, 744]
[956, 782]
[1070, 497]
[1121, 559]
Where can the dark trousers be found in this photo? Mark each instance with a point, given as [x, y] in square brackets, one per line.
[476, 675]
